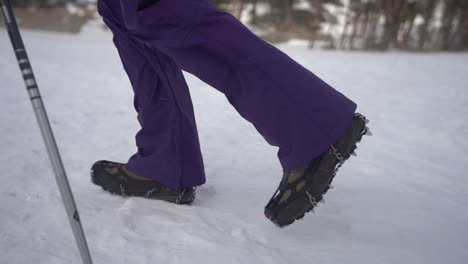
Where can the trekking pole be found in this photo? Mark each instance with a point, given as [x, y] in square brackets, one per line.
[41, 115]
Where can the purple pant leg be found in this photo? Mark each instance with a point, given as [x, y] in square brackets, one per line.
[290, 106]
[168, 146]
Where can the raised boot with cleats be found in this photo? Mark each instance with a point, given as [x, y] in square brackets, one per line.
[302, 188]
[114, 177]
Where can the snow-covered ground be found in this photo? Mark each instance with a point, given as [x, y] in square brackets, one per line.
[403, 200]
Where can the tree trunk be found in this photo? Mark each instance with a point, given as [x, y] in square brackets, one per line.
[392, 15]
[408, 31]
[461, 33]
[443, 36]
[369, 42]
[254, 12]
[238, 7]
[345, 30]
[355, 25]
[288, 15]
[427, 13]
[365, 22]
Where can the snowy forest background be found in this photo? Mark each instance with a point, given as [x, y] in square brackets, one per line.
[381, 25]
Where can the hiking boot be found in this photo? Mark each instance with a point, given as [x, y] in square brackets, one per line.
[114, 177]
[302, 188]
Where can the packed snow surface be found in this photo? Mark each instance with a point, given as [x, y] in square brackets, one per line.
[402, 200]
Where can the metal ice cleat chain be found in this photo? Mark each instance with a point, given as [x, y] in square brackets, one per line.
[180, 196]
[148, 194]
[122, 190]
[311, 199]
[337, 154]
[362, 117]
[366, 131]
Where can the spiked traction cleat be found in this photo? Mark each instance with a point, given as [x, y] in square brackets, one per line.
[115, 178]
[302, 188]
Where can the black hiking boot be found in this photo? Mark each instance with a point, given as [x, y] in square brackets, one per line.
[302, 188]
[114, 177]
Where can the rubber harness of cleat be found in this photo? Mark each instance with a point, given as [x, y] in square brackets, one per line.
[298, 195]
[291, 193]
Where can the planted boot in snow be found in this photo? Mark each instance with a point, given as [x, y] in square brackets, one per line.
[116, 178]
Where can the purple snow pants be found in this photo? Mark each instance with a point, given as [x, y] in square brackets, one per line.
[288, 105]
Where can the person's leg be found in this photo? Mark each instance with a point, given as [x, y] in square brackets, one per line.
[168, 146]
[290, 106]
